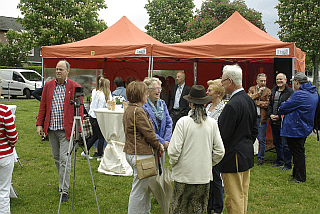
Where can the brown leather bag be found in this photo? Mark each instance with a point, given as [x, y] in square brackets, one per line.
[145, 167]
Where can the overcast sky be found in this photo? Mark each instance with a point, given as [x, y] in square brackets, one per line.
[135, 11]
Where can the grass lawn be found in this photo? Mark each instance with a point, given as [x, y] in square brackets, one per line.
[37, 182]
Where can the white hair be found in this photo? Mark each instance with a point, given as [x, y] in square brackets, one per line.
[233, 72]
[149, 81]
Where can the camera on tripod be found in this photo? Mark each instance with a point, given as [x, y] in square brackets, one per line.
[78, 92]
[77, 97]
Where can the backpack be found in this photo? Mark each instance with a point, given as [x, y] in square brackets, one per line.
[316, 125]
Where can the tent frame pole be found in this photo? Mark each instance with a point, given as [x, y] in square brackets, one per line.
[195, 69]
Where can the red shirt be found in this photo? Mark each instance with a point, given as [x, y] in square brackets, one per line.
[8, 132]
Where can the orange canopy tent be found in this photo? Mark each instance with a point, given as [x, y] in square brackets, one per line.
[236, 40]
[123, 50]
[109, 50]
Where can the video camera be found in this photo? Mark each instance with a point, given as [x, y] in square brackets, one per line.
[78, 92]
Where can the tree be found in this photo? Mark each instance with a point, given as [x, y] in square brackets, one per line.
[299, 22]
[168, 19]
[15, 50]
[54, 22]
[215, 12]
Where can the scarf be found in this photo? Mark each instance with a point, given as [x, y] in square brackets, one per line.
[157, 110]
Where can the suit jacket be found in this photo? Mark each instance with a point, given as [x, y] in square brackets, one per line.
[239, 129]
[261, 100]
[69, 110]
[183, 104]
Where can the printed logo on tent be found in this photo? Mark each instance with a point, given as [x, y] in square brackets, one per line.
[141, 51]
[282, 51]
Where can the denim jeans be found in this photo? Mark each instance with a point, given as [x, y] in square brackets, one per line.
[262, 131]
[282, 148]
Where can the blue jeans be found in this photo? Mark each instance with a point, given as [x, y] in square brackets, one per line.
[262, 132]
[96, 144]
[282, 148]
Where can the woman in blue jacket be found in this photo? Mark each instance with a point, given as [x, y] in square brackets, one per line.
[299, 111]
[159, 114]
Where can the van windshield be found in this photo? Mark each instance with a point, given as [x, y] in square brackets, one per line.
[31, 76]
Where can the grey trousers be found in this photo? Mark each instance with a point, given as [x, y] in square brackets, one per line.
[6, 169]
[60, 146]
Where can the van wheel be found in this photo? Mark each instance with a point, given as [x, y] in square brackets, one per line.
[27, 92]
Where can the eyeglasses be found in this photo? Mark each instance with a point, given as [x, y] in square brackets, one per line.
[157, 89]
[224, 79]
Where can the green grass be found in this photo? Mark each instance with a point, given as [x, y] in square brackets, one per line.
[37, 182]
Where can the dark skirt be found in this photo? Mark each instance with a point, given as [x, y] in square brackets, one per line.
[190, 198]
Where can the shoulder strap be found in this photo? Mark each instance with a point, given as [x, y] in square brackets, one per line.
[135, 134]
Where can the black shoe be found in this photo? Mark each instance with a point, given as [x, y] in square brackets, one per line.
[277, 165]
[95, 154]
[284, 169]
[260, 162]
[65, 197]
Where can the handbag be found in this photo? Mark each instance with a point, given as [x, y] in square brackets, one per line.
[145, 167]
[87, 127]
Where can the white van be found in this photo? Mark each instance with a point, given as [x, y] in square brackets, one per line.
[19, 82]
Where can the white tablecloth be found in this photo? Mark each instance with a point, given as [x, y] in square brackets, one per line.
[111, 125]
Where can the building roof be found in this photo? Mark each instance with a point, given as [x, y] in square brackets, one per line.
[7, 23]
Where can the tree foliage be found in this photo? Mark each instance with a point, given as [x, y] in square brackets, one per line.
[215, 12]
[299, 22]
[168, 19]
[53, 22]
[15, 50]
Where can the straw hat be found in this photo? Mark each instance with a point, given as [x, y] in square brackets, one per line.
[197, 95]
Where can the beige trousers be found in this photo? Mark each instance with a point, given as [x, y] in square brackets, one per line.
[236, 188]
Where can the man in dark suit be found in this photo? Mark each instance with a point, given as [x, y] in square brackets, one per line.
[179, 107]
[239, 129]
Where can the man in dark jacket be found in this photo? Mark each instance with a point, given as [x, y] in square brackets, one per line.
[279, 94]
[239, 129]
[179, 107]
[298, 121]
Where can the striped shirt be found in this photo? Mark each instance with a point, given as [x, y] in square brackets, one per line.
[57, 107]
[8, 132]
[216, 111]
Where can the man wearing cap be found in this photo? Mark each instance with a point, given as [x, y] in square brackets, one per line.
[179, 107]
[279, 94]
[239, 129]
[261, 96]
[299, 111]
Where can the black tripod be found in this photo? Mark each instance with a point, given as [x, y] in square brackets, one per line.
[74, 144]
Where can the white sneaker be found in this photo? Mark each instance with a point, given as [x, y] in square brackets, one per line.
[99, 158]
[84, 155]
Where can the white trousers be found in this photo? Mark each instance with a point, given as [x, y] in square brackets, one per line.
[140, 196]
[6, 169]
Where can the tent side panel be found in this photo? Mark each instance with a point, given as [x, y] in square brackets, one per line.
[136, 70]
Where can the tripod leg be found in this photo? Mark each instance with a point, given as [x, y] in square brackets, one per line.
[67, 162]
[74, 176]
[85, 146]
